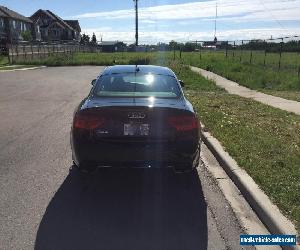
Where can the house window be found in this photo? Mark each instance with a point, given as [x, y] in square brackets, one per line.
[1, 22]
[14, 24]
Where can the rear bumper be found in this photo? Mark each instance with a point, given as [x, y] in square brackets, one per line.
[182, 154]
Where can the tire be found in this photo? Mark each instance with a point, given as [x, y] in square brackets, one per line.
[189, 166]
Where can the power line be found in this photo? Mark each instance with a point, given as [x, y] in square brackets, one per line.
[272, 16]
[253, 40]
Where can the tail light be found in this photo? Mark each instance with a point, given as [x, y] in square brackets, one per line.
[184, 123]
[88, 121]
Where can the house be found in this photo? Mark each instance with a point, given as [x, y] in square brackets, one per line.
[13, 26]
[112, 46]
[50, 27]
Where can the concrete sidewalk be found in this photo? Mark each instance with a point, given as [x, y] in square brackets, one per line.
[236, 89]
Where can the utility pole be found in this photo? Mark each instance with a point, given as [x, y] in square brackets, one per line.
[215, 37]
[136, 24]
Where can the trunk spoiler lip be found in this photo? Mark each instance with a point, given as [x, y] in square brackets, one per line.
[179, 102]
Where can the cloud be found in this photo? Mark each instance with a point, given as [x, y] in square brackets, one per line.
[165, 36]
[232, 10]
[98, 29]
[249, 18]
[148, 21]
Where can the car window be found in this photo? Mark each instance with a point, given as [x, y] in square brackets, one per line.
[137, 85]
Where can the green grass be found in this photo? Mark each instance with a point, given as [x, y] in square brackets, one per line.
[291, 95]
[101, 59]
[192, 79]
[3, 60]
[265, 141]
[284, 83]
[12, 67]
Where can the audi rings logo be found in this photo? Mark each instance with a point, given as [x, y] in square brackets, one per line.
[136, 115]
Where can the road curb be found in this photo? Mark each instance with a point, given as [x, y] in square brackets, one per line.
[267, 212]
[23, 69]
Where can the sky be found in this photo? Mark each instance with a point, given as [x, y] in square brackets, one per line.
[179, 20]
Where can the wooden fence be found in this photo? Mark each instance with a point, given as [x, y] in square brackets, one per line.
[29, 52]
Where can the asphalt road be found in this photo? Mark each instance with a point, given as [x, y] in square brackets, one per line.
[45, 204]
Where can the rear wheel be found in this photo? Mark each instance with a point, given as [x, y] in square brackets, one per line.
[189, 166]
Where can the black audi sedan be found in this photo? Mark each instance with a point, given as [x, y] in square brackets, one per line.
[135, 116]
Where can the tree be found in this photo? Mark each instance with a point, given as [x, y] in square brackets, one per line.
[188, 46]
[26, 35]
[174, 45]
[84, 39]
[94, 39]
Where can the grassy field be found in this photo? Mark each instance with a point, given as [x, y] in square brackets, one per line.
[289, 60]
[4, 64]
[237, 67]
[284, 83]
[263, 140]
[94, 59]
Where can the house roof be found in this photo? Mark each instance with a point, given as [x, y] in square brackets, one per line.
[5, 12]
[2, 14]
[53, 16]
[74, 24]
[62, 22]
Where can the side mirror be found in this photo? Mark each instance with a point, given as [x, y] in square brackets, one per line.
[93, 82]
[181, 83]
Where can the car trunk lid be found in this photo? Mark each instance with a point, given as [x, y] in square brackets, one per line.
[138, 119]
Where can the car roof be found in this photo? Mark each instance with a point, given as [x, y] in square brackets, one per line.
[145, 69]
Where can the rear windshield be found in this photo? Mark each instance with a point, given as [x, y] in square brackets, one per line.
[137, 85]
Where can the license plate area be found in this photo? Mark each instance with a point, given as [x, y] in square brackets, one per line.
[136, 129]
